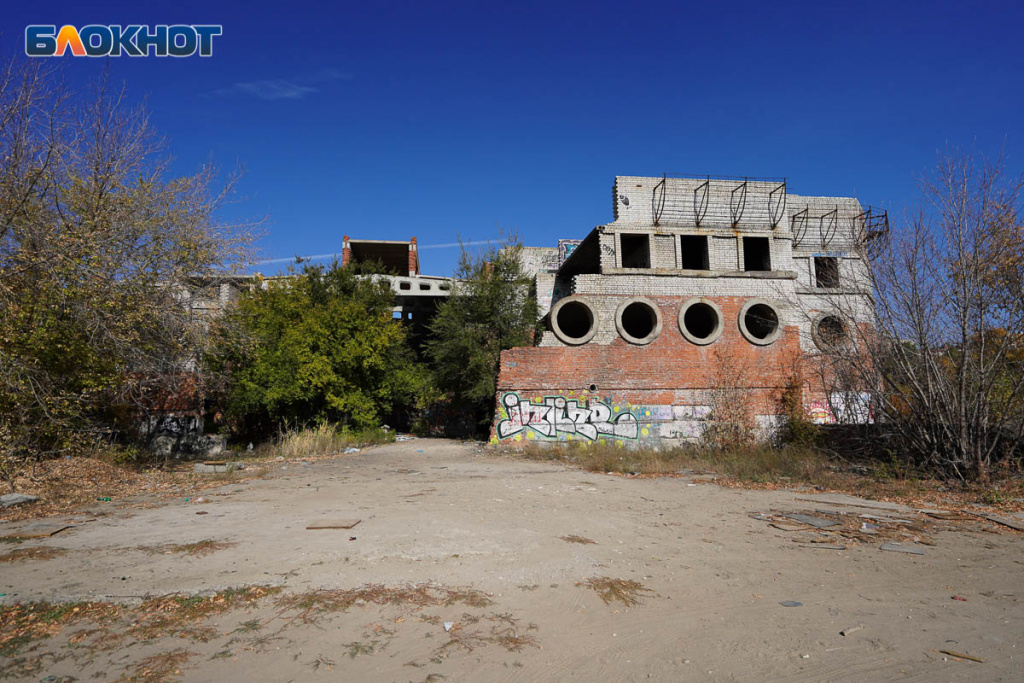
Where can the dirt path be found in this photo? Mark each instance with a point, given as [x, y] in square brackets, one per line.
[452, 516]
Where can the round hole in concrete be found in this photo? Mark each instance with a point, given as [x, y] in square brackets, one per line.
[759, 322]
[831, 331]
[638, 321]
[574, 321]
[700, 321]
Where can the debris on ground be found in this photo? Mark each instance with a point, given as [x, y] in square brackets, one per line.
[333, 524]
[852, 629]
[900, 548]
[791, 603]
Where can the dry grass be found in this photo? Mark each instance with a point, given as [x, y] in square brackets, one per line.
[311, 604]
[197, 549]
[182, 616]
[767, 467]
[165, 666]
[38, 553]
[629, 593]
[582, 540]
[20, 624]
[324, 439]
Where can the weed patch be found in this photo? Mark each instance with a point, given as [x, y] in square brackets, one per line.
[38, 553]
[629, 593]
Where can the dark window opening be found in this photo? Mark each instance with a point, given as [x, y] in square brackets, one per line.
[575, 319]
[701, 320]
[405, 286]
[761, 321]
[831, 330]
[695, 252]
[826, 271]
[424, 287]
[756, 253]
[639, 320]
[636, 251]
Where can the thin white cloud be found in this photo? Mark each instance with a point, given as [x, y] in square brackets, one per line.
[281, 89]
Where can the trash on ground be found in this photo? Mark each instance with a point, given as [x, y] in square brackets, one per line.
[957, 597]
[351, 450]
[333, 524]
[898, 548]
[961, 655]
[866, 528]
[817, 522]
[448, 625]
[852, 629]
[791, 603]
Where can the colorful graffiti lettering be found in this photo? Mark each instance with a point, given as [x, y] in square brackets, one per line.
[556, 414]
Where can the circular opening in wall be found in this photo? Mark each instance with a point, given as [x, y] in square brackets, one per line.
[573, 321]
[638, 321]
[700, 321]
[592, 387]
[830, 331]
[759, 322]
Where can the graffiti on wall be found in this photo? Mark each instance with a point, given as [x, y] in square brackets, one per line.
[554, 416]
[842, 408]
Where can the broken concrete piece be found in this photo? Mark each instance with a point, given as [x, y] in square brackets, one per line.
[817, 522]
[898, 548]
[1005, 521]
[214, 467]
[852, 629]
[827, 546]
[854, 501]
[334, 524]
[11, 499]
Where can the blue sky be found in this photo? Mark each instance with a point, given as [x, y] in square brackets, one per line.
[383, 120]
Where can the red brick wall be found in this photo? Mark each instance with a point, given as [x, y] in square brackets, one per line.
[670, 371]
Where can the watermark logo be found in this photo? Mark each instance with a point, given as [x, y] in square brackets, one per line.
[95, 40]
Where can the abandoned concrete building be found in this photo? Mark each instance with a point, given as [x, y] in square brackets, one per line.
[701, 290]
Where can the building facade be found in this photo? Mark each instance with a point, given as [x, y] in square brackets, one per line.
[702, 296]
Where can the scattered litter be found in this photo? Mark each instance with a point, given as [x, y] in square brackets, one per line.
[898, 548]
[202, 512]
[448, 625]
[249, 447]
[351, 449]
[957, 597]
[961, 655]
[866, 528]
[12, 499]
[351, 538]
[334, 524]
[104, 499]
[404, 438]
[816, 522]
[852, 629]
[791, 603]
[419, 450]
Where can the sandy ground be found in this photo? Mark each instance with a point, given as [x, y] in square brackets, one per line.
[454, 515]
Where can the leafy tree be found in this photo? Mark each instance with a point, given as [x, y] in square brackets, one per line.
[491, 308]
[318, 346]
[96, 244]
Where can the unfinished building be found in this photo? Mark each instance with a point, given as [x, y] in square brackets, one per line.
[702, 296]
